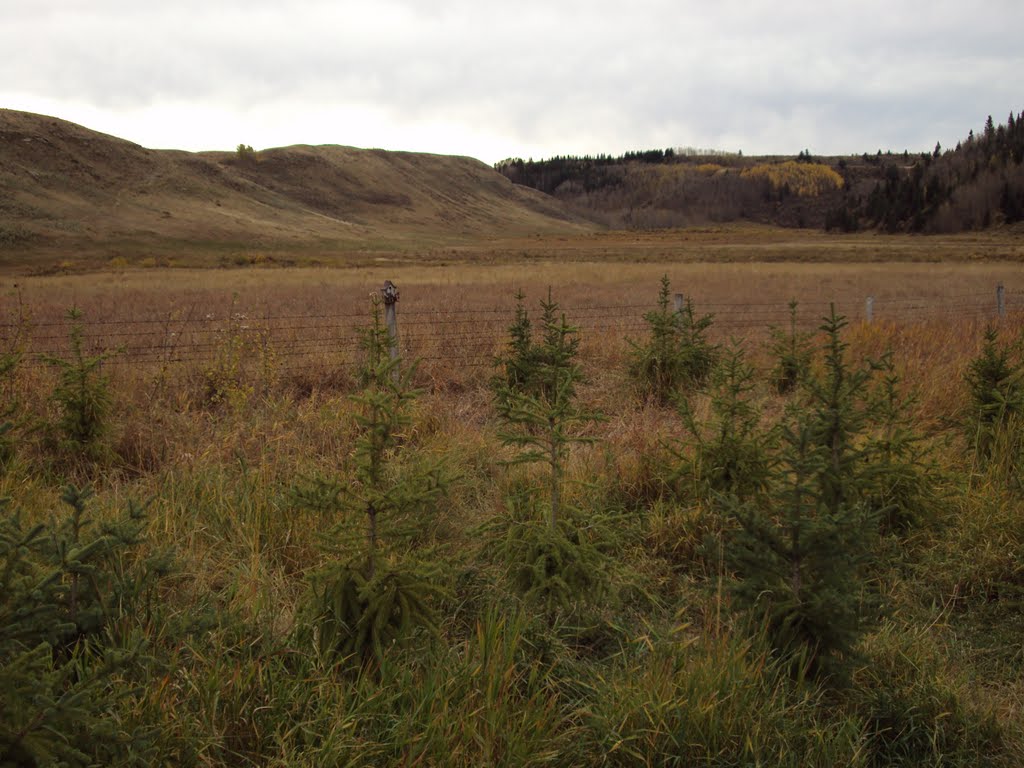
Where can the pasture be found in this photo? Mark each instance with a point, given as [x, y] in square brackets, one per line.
[231, 390]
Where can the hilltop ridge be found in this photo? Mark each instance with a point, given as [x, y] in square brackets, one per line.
[66, 188]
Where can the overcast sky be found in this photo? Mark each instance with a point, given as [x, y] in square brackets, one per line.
[531, 78]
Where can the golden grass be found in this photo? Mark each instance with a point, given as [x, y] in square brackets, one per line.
[201, 350]
[244, 333]
[220, 470]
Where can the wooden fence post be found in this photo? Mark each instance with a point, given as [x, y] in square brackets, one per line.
[390, 294]
[869, 309]
[1001, 301]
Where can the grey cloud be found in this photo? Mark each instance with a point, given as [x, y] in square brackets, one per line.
[832, 76]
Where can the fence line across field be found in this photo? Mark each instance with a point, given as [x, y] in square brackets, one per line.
[468, 336]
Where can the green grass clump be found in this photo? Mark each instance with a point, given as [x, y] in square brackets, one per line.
[716, 701]
[913, 713]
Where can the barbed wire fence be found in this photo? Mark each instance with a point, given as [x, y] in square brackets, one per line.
[466, 337]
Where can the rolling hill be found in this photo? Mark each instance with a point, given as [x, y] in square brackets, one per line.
[66, 190]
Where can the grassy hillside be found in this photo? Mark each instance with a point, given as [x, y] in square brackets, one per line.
[73, 192]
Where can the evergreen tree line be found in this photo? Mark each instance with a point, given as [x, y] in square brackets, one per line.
[589, 172]
[637, 191]
[978, 184]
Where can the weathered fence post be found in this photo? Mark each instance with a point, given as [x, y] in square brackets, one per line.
[1001, 300]
[390, 294]
[869, 309]
[678, 299]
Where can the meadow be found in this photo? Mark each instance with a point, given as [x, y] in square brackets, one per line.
[234, 417]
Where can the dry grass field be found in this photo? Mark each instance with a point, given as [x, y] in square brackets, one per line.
[455, 315]
[230, 388]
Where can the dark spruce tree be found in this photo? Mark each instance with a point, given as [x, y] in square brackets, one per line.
[677, 353]
[552, 562]
[374, 592]
[802, 557]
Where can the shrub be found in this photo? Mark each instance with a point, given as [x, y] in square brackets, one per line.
[82, 396]
[244, 363]
[677, 354]
[372, 596]
[801, 556]
[72, 597]
[995, 381]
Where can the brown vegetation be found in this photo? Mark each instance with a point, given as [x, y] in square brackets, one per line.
[228, 387]
[68, 190]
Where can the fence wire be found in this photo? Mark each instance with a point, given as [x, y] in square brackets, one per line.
[463, 336]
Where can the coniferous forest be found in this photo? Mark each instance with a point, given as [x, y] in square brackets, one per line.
[975, 185]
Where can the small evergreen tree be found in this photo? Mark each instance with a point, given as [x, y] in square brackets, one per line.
[731, 454]
[792, 352]
[699, 354]
[519, 361]
[995, 382]
[72, 596]
[82, 396]
[657, 365]
[801, 559]
[841, 413]
[376, 368]
[677, 354]
[12, 418]
[371, 596]
[904, 479]
[10, 407]
[542, 416]
[552, 562]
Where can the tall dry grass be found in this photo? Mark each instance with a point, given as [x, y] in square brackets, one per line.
[230, 387]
